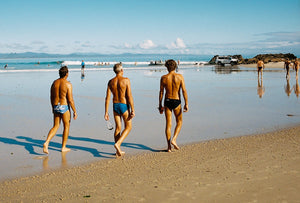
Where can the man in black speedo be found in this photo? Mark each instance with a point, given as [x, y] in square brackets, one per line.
[172, 83]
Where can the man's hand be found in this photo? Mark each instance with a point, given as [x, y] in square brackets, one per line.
[132, 114]
[185, 108]
[74, 115]
[161, 109]
[106, 116]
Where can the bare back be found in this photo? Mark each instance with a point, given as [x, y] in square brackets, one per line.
[60, 92]
[260, 63]
[119, 88]
[172, 83]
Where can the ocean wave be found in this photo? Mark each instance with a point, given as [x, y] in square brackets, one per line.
[98, 63]
[87, 69]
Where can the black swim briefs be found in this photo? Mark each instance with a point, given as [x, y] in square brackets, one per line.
[172, 103]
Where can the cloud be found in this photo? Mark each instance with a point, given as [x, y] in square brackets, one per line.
[129, 46]
[280, 36]
[147, 44]
[178, 44]
[37, 42]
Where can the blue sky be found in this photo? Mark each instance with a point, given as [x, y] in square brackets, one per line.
[150, 26]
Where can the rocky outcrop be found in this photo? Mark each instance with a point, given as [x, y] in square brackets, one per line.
[265, 57]
[270, 58]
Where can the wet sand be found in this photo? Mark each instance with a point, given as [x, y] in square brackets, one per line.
[254, 168]
[222, 105]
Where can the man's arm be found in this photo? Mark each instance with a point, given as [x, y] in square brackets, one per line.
[161, 94]
[71, 100]
[130, 99]
[107, 98]
[51, 95]
[185, 96]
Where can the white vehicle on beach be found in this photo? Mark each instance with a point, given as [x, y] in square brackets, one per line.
[222, 60]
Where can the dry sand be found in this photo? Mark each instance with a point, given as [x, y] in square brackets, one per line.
[255, 168]
[267, 65]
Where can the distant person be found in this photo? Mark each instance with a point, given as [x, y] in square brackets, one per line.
[172, 83]
[61, 99]
[123, 107]
[82, 66]
[178, 63]
[296, 67]
[287, 67]
[5, 66]
[260, 67]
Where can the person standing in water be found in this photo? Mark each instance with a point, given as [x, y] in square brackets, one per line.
[172, 83]
[296, 67]
[82, 67]
[287, 67]
[61, 99]
[260, 66]
[123, 106]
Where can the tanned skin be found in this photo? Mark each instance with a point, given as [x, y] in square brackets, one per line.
[296, 67]
[260, 66]
[120, 87]
[172, 83]
[61, 92]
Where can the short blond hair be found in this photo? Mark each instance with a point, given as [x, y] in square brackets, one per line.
[117, 68]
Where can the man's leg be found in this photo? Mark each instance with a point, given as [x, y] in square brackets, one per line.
[118, 127]
[168, 115]
[178, 116]
[124, 133]
[52, 132]
[66, 118]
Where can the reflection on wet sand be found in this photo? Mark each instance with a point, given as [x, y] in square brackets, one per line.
[287, 88]
[82, 76]
[296, 88]
[260, 87]
[64, 163]
[226, 69]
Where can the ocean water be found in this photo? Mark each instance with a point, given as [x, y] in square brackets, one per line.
[224, 102]
[93, 62]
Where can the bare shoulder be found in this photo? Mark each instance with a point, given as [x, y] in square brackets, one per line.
[68, 84]
[164, 77]
[127, 80]
[179, 76]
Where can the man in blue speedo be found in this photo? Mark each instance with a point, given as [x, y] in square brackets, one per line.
[61, 98]
[123, 107]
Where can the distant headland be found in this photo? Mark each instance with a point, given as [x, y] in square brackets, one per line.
[265, 57]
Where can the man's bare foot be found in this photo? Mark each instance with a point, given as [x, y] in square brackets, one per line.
[65, 149]
[45, 148]
[122, 153]
[119, 152]
[175, 145]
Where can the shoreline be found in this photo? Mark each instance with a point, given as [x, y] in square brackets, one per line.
[261, 167]
[267, 65]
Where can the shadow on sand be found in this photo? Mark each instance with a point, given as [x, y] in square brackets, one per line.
[30, 144]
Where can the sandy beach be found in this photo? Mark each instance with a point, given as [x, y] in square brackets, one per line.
[267, 65]
[255, 168]
[222, 105]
